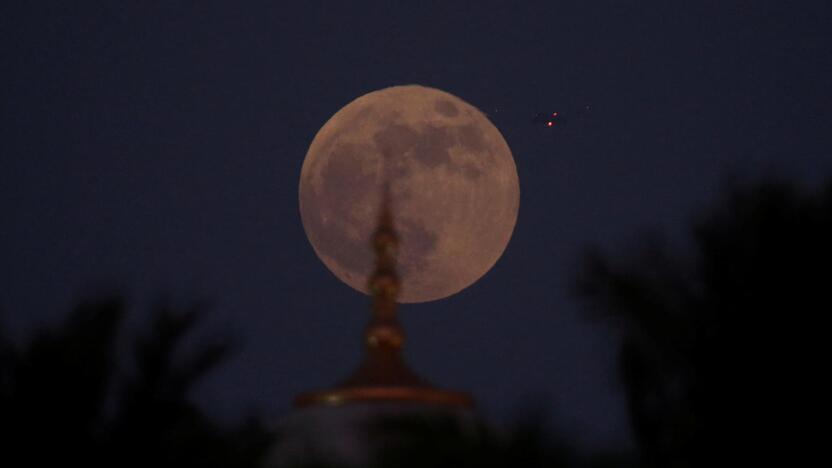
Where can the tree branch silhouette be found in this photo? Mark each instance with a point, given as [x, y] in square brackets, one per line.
[55, 391]
[707, 332]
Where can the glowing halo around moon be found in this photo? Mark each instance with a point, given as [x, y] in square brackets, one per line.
[453, 184]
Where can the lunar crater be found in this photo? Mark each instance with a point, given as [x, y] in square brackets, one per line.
[446, 108]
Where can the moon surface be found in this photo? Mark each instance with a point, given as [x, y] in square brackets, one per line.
[453, 185]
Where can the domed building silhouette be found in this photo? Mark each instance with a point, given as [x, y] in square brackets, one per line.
[335, 426]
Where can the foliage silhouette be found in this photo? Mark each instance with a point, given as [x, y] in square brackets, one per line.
[717, 341]
[66, 397]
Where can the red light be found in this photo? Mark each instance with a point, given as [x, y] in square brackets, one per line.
[549, 124]
[554, 114]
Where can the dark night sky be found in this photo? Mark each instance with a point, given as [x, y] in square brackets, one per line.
[156, 146]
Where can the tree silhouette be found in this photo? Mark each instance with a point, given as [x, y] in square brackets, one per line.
[67, 397]
[717, 340]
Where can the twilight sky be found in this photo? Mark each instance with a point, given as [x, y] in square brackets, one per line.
[155, 147]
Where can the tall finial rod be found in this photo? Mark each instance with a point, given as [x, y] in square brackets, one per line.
[384, 330]
[384, 375]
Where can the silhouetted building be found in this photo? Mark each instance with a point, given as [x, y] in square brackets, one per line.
[338, 425]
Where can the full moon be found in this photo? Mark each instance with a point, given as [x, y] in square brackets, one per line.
[453, 188]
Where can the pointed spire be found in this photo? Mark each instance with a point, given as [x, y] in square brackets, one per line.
[384, 375]
[384, 330]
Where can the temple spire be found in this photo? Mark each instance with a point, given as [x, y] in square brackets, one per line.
[384, 330]
[384, 375]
